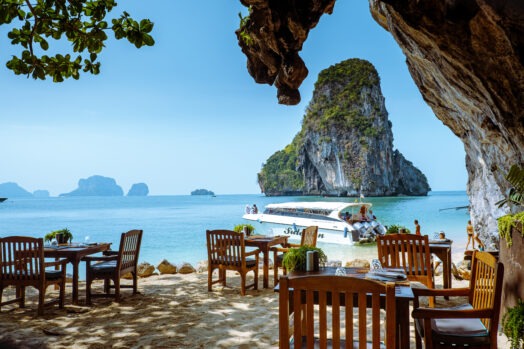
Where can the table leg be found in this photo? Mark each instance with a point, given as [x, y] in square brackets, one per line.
[266, 268]
[75, 281]
[403, 323]
[447, 270]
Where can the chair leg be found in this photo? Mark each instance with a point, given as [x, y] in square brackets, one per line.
[116, 281]
[209, 280]
[255, 287]
[222, 275]
[62, 294]
[107, 287]
[418, 340]
[135, 283]
[275, 275]
[41, 300]
[243, 284]
[20, 291]
[88, 290]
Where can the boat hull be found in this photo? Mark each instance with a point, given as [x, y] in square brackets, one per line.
[334, 232]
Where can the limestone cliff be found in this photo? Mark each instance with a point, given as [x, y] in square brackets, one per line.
[466, 57]
[345, 146]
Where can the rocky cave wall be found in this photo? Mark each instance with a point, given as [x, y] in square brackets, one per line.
[466, 57]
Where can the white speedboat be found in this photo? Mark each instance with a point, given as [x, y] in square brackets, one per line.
[338, 222]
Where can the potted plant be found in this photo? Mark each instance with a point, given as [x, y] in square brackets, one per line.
[62, 236]
[513, 325]
[396, 229]
[247, 228]
[295, 258]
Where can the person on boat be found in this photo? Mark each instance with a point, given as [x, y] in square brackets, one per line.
[371, 216]
[417, 227]
[362, 216]
[254, 210]
[347, 216]
[248, 209]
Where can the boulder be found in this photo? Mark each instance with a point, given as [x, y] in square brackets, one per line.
[145, 269]
[186, 268]
[358, 263]
[202, 267]
[164, 267]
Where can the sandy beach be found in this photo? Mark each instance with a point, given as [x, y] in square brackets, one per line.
[171, 311]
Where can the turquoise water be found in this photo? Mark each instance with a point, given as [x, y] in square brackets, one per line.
[174, 226]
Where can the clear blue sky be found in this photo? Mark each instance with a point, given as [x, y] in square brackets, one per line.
[185, 114]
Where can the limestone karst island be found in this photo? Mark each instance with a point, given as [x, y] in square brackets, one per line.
[345, 147]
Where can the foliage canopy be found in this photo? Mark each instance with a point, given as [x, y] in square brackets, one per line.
[82, 22]
[279, 173]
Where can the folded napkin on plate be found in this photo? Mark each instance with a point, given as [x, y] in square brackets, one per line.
[390, 275]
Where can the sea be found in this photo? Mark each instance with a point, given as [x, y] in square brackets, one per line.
[175, 226]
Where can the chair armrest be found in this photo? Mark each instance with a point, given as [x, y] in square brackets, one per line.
[293, 245]
[253, 253]
[280, 249]
[59, 262]
[99, 258]
[110, 253]
[446, 313]
[440, 292]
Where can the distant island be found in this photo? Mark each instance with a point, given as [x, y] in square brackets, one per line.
[138, 189]
[96, 186]
[202, 192]
[93, 186]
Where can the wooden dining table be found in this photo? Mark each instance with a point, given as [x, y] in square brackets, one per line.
[264, 243]
[403, 296]
[74, 254]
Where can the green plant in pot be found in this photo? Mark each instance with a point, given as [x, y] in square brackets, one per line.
[62, 236]
[515, 200]
[295, 258]
[239, 228]
[513, 325]
[396, 229]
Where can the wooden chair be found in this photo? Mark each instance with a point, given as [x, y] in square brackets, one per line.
[333, 293]
[308, 238]
[113, 265]
[226, 250]
[22, 264]
[473, 325]
[409, 252]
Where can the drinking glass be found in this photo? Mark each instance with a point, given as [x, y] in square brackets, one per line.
[54, 242]
[375, 265]
[341, 271]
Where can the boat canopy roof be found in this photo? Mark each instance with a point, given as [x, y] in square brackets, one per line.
[319, 205]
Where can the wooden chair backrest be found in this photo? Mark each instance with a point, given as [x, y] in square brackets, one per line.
[129, 249]
[337, 292]
[309, 236]
[21, 259]
[407, 251]
[486, 286]
[226, 247]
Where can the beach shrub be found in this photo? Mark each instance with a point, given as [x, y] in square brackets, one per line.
[66, 232]
[515, 200]
[295, 258]
[513, 325]
[239, 228]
